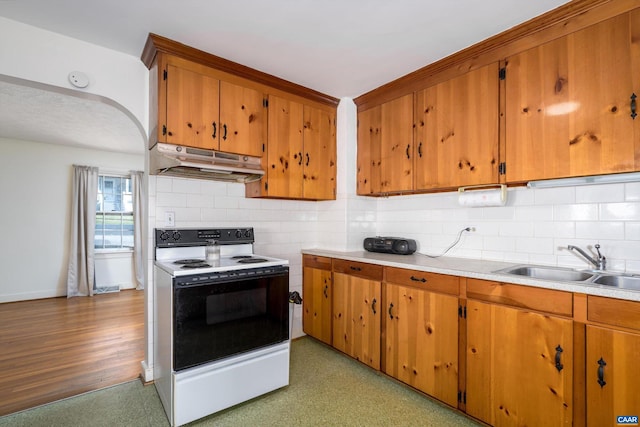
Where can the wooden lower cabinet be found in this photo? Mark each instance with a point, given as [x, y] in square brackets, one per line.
[356, 317]
[613, 375]
[317, 289]
[519, 366]
[421, 340]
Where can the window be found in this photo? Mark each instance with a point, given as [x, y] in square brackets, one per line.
[114, 213]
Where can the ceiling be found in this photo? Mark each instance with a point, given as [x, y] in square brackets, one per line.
[342, 48]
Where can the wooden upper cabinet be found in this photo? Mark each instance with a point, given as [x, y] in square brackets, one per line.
[396, 145]
[205, 112]
[285, 148]
[192, 108]
[242, 120]
[569, 104]
[319, 137]
[369, 140]
[457, 131]
[301, 151]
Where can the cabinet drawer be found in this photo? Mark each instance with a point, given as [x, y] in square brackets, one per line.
[315, 261]
[360, 269]
[547, 300]
[613, 311]
[423, 280]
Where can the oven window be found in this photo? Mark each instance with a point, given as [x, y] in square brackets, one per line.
[214, 321]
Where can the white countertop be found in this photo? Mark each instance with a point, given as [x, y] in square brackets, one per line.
[473, 268]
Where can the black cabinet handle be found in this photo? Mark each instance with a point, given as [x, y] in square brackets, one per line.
[601, 380]
[408, 146]
[326, 288]
[418, 279]
[559, 365]
[373, 306]
[215, 128]
[391, 311]
[224, 135]
[307, 164]
[420, 150]
[299, 159]
[634, 106]
[355, 268]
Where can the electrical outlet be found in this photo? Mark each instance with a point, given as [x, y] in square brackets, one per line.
[169, 219]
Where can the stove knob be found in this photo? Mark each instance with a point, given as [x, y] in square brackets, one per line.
[176, 235]
[247, 233]
[239, 234]
[164, 236]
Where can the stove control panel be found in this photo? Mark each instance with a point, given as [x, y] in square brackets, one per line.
[166, 238]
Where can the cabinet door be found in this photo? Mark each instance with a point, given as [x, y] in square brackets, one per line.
[319, 137]
[356, 318]
[421, 342]
[568, 104]
[285, 148]
[242, 120]
[613, 375]
[519, 366]
[396, 162]
[192, 108]
[369, 140]
[316, 303]
[457, 131]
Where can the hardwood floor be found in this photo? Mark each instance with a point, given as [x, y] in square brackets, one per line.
[54, 348]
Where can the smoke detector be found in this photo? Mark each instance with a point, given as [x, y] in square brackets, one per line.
[78, 79]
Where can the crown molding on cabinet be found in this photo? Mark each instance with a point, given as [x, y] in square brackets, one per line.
[156, 43]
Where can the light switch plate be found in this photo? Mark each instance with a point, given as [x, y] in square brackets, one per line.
[169, 219]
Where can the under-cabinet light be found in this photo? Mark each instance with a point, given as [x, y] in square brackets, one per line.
[586, 180]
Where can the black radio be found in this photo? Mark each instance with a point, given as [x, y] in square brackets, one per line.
[390, 245]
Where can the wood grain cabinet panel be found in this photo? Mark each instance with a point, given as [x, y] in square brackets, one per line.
[569, 104]
[301, 152]
[356, 317]
[421, 345]
[317, 291]
[613, 375]
[396, 145]
[519, 366]
[243, 120]
[369, 146]
[424, 280]
[457, 131]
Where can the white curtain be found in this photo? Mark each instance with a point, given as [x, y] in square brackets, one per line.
[139, 216]
[81, 277]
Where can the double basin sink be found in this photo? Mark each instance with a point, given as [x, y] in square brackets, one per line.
[560, 274]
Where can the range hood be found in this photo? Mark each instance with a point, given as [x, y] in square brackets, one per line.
[177, 160]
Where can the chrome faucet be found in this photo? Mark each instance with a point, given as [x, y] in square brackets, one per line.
[600, 263]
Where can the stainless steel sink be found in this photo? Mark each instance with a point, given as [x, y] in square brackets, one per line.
[548, 273]
[621, 281]
[561, 274]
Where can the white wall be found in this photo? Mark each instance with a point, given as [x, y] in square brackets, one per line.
[35, 187]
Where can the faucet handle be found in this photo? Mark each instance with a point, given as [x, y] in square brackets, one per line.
[597, 246]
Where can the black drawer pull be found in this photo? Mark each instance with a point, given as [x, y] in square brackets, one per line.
[601, 380]
[326, 288]
[418, 279]
[634, 106]
[559, 365]
[355, 268]
[214, 130]
[373, 306]
[391, 311]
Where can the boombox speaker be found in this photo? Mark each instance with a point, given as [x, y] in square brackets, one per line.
[390, 245]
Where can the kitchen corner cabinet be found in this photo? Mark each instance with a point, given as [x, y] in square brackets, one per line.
[571, 103]
[519, 363]
[301, 151]
[421, 332]
[197, 109]
[357, 310]
[457, 131]
[612, 355]
[317, 290]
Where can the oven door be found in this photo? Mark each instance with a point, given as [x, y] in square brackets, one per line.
[222, 314]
